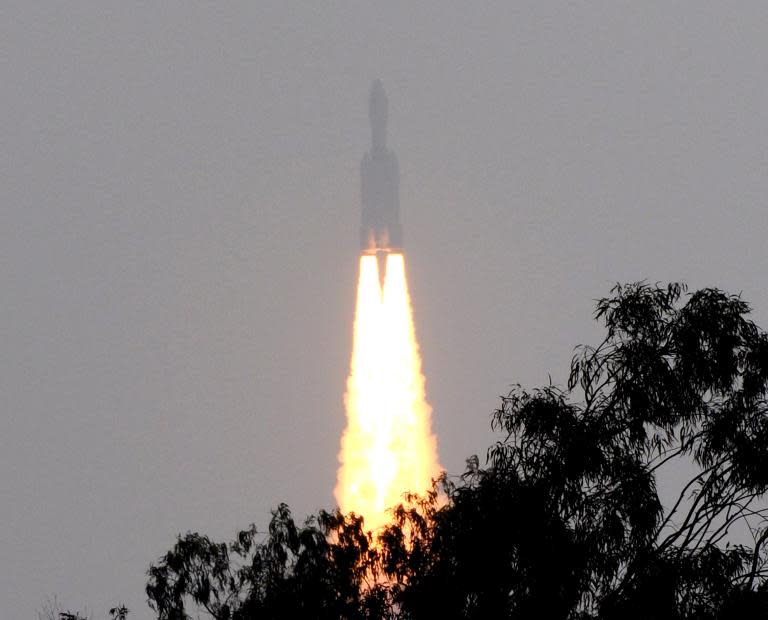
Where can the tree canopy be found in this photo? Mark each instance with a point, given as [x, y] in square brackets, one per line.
[564, 517]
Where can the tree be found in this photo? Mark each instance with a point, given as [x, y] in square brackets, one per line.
[52, 610]
[564, 520]
[325, 569]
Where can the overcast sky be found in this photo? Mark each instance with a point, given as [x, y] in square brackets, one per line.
[179, 212]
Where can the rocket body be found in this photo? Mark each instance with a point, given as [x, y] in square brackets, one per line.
[380, 230]
[380, 183]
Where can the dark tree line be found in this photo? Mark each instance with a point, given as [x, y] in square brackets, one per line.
[563, 519]
[52, 610]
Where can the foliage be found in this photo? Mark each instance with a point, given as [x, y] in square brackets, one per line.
[564, 520]
[52, 611]
[320, 570]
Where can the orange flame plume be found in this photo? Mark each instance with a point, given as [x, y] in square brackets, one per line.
[387, 448]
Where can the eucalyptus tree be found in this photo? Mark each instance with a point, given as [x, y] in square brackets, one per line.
[563, 519]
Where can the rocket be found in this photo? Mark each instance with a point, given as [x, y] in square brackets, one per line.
[380, 231]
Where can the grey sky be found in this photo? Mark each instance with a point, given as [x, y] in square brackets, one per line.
[179, 230]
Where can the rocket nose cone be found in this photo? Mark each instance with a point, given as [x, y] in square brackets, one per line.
[377, 109]
[377, 90]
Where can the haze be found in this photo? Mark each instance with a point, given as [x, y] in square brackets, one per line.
[179, 230]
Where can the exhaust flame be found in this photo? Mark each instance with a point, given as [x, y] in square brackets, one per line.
[387, 448]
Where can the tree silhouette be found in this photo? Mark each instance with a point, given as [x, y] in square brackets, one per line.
[324, 569]
[52, 610]
[564, 520]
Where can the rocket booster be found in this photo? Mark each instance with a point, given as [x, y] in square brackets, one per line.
[380, 231]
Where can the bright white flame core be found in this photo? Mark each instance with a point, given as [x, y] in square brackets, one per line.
[387, 448]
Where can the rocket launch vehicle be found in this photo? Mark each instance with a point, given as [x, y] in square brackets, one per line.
[380, 231]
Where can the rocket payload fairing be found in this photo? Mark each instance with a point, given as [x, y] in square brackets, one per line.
[380, 231]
